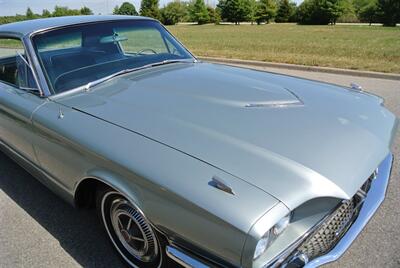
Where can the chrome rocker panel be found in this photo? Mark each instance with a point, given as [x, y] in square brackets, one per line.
[184, 259]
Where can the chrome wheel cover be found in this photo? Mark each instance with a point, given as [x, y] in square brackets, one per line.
[129, 230]
[133, 231]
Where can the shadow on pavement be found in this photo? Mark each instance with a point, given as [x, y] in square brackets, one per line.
[78, 231]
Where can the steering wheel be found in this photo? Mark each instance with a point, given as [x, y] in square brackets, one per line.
[146, 49]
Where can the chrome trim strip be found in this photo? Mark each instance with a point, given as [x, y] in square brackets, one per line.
[375, 197]
[36, 68]
[183, 259]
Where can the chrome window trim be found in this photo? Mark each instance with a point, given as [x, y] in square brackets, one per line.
[37, 69]
[179, 42]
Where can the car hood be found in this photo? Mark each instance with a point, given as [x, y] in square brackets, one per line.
[295, 139]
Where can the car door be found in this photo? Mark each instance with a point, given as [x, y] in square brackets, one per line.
[18, 99]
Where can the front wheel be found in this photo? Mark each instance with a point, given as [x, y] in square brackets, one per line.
[129, 230]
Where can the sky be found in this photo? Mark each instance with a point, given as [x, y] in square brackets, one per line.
[11, 7]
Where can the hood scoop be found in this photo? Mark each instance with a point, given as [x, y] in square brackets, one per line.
[252, 97]
[295, 101]
[273, 104]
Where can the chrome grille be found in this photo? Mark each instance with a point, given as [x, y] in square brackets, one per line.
[331, 230]
[328, 234]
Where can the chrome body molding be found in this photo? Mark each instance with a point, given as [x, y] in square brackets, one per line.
[184, 259]
[375, 197]
[219, 184]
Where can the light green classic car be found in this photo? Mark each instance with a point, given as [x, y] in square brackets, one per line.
[189, 163]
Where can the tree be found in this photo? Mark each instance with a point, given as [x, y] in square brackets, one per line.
[285, 12]
[64, 11]
[369, 13]
[320, 11]
[293, 17]
[149, 8]
[234, 10]
[349, 14]
[125, 9]
[173, 13]
[251, 16]
[358, 5]
[29, 13]
[389, 12]
[46, 13]
[333, 9]
[215, 16]
[198, 12]
[86, 11]
[266, 11]
[116, 10]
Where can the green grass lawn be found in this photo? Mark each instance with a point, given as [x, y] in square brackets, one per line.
[373, 48]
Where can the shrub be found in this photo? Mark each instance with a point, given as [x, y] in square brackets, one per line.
[173, 13]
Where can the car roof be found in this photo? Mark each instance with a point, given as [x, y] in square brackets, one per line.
[23, 28]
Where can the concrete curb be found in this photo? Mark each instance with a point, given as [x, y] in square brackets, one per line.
[390, 76]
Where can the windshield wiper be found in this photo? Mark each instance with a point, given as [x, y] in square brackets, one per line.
[125, 71]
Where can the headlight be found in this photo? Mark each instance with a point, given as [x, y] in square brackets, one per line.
[262, 245]
[271, 235]
[281, 225]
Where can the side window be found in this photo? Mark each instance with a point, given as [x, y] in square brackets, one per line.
[13, 68]
[172, 49]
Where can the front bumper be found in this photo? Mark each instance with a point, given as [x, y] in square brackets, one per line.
[374, 198]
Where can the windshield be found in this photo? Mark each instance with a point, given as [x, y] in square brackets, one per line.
[77, 55]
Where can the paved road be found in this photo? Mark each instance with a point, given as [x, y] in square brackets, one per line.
[37, 229]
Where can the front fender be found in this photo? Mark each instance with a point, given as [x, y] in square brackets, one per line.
[170, 187]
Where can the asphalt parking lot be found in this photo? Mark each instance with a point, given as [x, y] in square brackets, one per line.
[37, 229]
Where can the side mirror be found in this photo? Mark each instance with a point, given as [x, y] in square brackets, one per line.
[355, 86]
